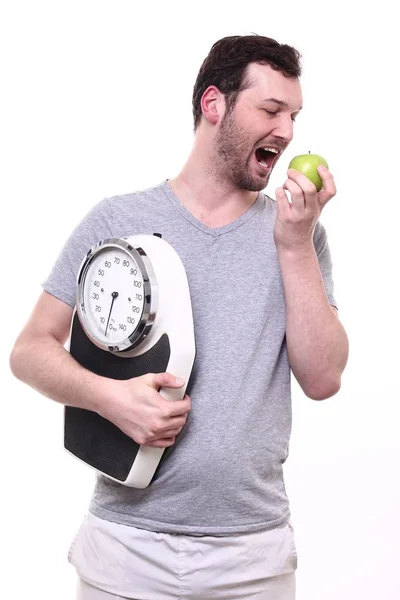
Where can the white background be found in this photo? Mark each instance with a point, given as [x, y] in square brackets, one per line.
[96, 101]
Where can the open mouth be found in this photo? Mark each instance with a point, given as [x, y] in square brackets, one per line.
[267, 156]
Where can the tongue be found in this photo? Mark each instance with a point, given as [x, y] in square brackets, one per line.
[264, 157]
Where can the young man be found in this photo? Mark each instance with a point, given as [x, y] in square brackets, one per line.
[214, 523]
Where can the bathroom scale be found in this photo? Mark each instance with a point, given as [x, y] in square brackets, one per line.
[133, 315]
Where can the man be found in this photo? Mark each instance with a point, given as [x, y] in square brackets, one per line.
[214, 523]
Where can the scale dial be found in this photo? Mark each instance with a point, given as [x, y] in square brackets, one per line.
[117, 295]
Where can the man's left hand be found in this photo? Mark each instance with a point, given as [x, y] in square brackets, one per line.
[295, 221]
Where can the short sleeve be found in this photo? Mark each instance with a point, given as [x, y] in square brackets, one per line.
[325, 261]
[94, 227]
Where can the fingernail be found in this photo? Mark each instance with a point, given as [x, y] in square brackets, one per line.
[179, 380]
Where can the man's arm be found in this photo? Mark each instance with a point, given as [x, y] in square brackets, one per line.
[316, 340]
[40, 359]
[134, 405]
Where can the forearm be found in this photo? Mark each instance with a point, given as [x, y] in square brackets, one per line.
[45, 365]
[316, 340]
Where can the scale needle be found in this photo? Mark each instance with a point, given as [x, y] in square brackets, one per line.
[114, 295]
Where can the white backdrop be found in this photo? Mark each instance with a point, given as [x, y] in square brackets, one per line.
[96, 101]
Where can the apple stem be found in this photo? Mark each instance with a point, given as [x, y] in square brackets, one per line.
[309, 152]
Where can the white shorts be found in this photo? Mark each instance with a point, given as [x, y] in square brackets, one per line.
[117, 561]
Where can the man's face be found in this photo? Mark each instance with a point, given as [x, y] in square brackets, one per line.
[251, 138]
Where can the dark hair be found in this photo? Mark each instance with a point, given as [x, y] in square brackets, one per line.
[227, 62]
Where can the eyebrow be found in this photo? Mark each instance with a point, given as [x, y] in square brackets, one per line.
[279, 102]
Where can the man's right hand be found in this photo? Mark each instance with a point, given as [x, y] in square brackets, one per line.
[136, 407]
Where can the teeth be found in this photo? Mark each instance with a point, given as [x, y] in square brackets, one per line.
[274, 150]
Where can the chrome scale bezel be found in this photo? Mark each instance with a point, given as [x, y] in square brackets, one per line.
[150, 295]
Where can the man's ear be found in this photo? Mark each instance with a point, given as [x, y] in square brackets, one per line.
[212, 104]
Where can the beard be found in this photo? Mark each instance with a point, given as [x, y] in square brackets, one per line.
[232, 160]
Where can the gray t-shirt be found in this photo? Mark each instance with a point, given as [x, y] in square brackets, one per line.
[224, 474]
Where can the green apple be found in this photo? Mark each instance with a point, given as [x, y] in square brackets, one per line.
[307, 164]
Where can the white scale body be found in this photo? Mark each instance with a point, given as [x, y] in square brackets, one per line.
[133, 305]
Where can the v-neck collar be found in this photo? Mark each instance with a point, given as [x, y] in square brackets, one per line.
[213, 231]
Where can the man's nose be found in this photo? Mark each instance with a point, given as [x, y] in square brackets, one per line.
[284, 129]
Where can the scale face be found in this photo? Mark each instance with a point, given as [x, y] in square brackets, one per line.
[117, 295]
[133, 315]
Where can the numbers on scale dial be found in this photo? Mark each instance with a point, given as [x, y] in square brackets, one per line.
[114, 294]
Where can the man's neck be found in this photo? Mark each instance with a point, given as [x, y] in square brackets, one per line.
[210, 199]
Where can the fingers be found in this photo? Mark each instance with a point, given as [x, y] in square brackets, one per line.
[167, 436]
[328, 185]
[284, 208]
[312, 197]
[177, 407]
[161, 430]
[162, 443]
[303, 193]
[166, 380]
[159, 380]
[171, 426]
[296, 197]
[157, 421]
[167, 421]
